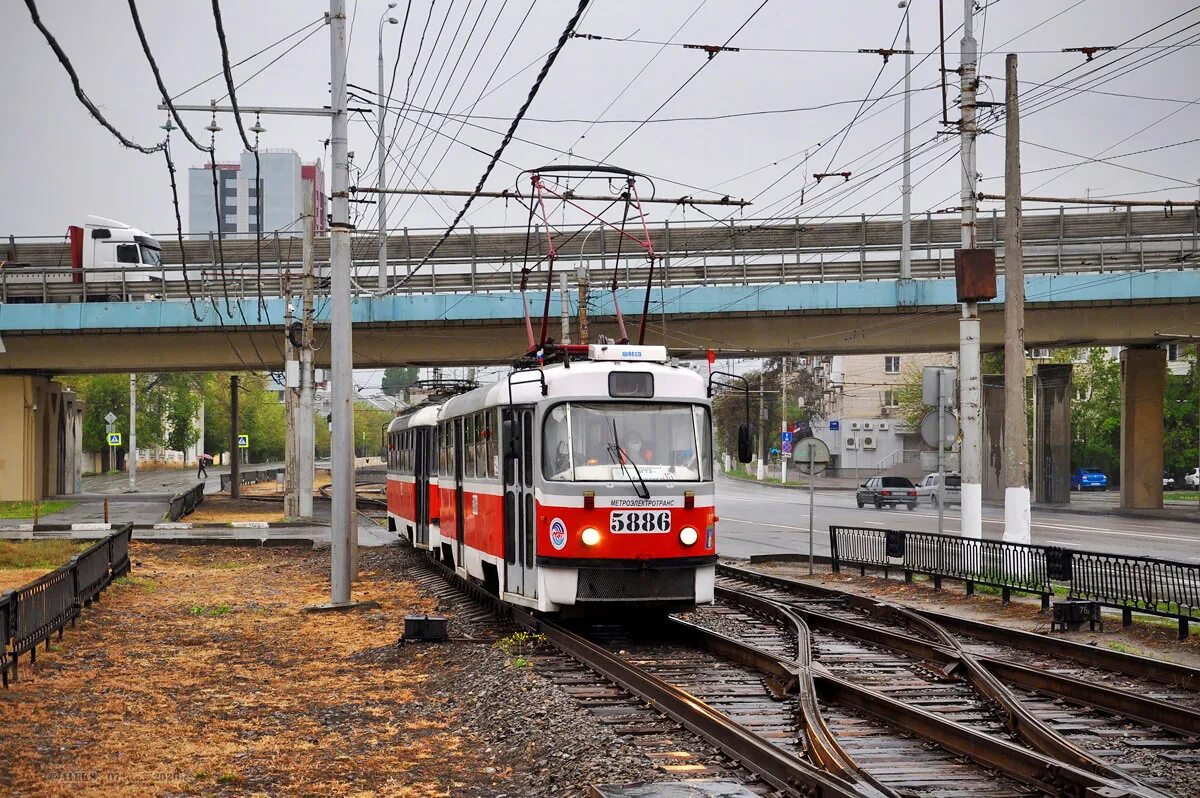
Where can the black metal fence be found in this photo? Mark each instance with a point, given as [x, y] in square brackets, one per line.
[184, 503]
[250, 477]
[1131, 584]
[31, 614]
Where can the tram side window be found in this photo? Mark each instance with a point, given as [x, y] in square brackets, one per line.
[431, 451]
[480, 445]
[447, 463]
[493, 451]
[469, 447]
[443, 438]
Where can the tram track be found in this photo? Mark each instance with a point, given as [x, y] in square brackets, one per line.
[754, 691]
[1113, 721]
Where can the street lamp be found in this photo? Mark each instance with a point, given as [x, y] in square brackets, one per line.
[380, 180]
[906, 185]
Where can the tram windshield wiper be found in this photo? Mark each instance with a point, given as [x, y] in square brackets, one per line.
[614, 451]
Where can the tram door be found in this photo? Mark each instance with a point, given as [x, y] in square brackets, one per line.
[424, 436]
[519, 550]
[460, 521]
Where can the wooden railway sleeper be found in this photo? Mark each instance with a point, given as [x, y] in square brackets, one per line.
[1063, 778]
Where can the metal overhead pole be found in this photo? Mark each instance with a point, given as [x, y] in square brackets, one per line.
[291, 386]
[235, 451]
[1016, 429]
[971, 451]
[906, 186]
[342, 523]
[305, 433]
[381, 180]
[131, 466]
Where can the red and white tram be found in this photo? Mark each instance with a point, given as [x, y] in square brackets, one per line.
[580, 483]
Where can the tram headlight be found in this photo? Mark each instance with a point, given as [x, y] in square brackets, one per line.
[590, 536]
[688, 536]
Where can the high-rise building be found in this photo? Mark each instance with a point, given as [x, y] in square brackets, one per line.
[284, 183]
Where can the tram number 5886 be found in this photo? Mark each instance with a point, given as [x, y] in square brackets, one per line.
[640, 521]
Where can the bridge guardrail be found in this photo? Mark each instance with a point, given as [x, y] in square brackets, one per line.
[31, 614]
[1166, 588]
[184, 503]
[55, 284]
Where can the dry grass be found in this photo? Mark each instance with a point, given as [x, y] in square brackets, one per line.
[198, 675]
[222, 509]
[272, 488]
[38, 554]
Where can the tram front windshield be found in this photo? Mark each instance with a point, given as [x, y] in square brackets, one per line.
[605, 441]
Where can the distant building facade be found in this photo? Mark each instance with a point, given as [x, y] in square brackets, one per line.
[871, 437]
[284, 184]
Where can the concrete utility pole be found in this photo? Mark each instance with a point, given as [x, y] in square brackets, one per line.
[783, 415]
[762, 424]
[581, 277]
[343, 529]
[564, 309]
[235, 453]
[1016, 447]
[906, 185]
[305, 431]
[971, 451]
[291, 385]
[382, 179]
[132, 464]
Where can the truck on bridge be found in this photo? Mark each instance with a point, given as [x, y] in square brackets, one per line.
[105, 256]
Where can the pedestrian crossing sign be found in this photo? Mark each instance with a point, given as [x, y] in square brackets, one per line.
[114, 439]
[243, 441]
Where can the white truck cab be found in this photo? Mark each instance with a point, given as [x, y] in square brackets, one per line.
[113, 250]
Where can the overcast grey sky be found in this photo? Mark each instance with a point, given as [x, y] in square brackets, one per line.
[59, 165]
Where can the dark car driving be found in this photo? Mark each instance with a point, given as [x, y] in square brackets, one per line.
[887, 492]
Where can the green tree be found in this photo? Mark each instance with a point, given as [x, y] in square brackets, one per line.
[369, 425]
[167, 406]
[1180, 420]
[1096, 413]
[398, 380]
[805, 395]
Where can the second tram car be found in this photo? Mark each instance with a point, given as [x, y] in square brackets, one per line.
[588, 482]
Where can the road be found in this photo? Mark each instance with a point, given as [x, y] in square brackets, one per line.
[757, 519]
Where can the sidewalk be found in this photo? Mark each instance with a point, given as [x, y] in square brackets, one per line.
[147, 505]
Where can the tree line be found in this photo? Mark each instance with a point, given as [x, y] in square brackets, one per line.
[169, 404]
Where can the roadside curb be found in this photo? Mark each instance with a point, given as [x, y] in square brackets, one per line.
[1166, 514]
[781, 486]
[162, 525]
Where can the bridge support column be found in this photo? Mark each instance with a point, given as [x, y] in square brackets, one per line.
[28, 440]
[1143, 388]
[993, 437]
[1052, 433]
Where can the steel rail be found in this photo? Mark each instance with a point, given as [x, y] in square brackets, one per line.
[1023, 764]
[772, 764]
[1167, 673]
[1150, 711]
[824, 748]
[1033, 731]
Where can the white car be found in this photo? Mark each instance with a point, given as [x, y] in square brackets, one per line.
[928, 488]
[1192, 479]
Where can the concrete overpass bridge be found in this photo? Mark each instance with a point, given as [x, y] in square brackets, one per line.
[827, 286]
[752, 288]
